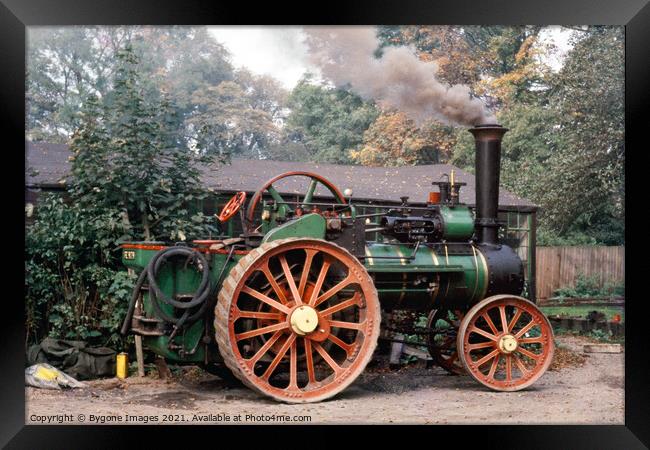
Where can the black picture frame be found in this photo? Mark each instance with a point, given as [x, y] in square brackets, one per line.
[15, 15]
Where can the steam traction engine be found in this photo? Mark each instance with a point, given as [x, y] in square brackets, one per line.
[292, 306]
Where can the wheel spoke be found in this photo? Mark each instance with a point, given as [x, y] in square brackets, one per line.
[275, 194]
[530, 325]
[283, 351]
[319, 281]
[486, 358]
[293, 365]
[332, 291]
[310, 192]
[342, 305]
[471, 347]
[448, 342]
[348, 325]
[504, 320]
[533, 340]
[305, 271]
[508, 367]
[328, 359]
[347, 347]
[258, 315]
[265, 348]
[530, 354]
[442, 326]
[486, 317]
[265, 299]
[310, 360]
[515, 319]
[483, 333]
[493, 367]
[261, 331]
[521, 366]
[274, 284]
[290, 281]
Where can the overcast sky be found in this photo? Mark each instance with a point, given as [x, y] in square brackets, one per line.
[280, 51]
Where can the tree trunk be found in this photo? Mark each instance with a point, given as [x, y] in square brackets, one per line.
[145, 225]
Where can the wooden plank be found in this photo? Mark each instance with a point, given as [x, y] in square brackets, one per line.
[139, 355]
[559, 267]
[602, 348]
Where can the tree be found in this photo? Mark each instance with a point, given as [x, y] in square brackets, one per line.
[263, 93]
[392, 139]
[131, 180]
[515, 73]
[225, 124]
[144, 172]
[65, 65]
[395, 140]
[329, 122]
[458, 61]
[589, 174]
[565, 147]
[498, 63]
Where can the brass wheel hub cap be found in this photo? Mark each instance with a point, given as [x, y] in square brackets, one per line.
[507, 343]
[304, 320]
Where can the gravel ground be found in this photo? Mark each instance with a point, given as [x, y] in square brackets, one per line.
[584, 389]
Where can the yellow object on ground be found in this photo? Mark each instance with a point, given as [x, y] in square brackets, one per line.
[46, 373]
[122, 366]
[49, 377]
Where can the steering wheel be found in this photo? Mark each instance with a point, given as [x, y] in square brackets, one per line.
[233, 205]
[309, 195]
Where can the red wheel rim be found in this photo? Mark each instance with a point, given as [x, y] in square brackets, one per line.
[506, 343]
[442, 326]
[305, 364]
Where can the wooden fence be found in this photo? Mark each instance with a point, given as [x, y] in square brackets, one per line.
[559, 267]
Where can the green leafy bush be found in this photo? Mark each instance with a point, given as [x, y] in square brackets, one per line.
[615, 289]
[74, 288]
[547, 238]
[589, 286]
[130, 181]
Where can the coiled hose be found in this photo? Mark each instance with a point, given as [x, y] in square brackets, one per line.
[157, 296]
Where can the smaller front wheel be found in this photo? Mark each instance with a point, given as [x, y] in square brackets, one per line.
[505, 342]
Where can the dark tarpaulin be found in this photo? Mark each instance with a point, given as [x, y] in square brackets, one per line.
[75, 358]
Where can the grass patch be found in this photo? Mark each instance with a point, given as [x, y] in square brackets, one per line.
[584, 310]
[595, 336]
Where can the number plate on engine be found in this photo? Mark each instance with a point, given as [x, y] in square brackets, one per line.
[128, 254]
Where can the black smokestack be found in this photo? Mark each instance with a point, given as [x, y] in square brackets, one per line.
[488, 166]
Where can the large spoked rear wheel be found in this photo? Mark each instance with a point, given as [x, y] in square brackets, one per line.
[297, 319]
[505, 342]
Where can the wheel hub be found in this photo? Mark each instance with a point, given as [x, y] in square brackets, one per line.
[303, 320]
[507, 343]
